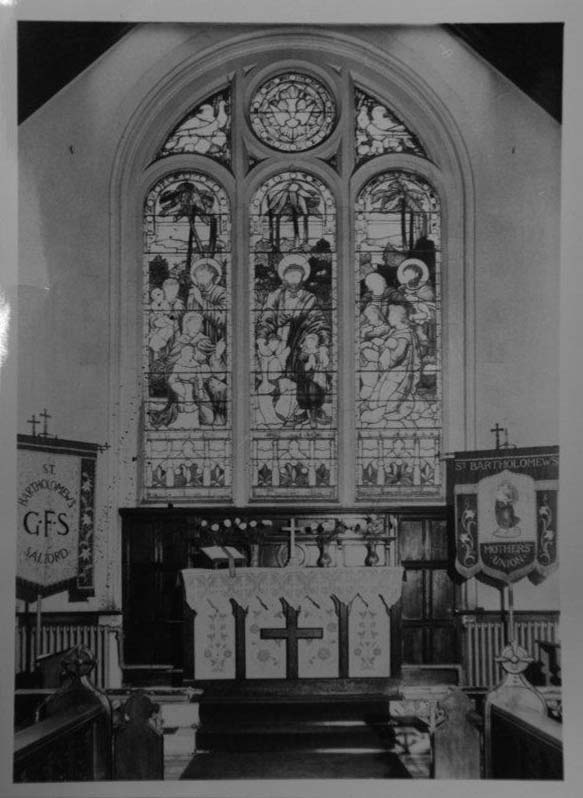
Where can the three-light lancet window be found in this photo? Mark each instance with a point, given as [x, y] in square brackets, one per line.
[329, 262]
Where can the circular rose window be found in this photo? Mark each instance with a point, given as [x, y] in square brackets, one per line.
[292, 112]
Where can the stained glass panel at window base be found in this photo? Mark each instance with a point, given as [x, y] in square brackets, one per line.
[379, 131]
[398, 342]
[293, 351]
[294, 465]
[206, 130]
[292, 112]
[186, 466]
[186, 311]
[399, 464]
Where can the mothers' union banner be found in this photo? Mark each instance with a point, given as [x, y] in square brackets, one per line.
[505, 504]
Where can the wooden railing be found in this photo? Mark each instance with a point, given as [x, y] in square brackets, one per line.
[72, 738]
[69, 747]
[483, 638]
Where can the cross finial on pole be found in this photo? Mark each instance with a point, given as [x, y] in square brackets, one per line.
[497, 430]
[45, 416]
[33, 422]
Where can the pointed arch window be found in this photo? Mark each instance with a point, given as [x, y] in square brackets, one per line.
[331, 268]
[187, 359]
[398, 340]
[293, 315]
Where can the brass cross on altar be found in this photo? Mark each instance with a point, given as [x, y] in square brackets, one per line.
[293, 559]
[292, 634]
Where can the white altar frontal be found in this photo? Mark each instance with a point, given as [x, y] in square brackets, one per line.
[289, 623]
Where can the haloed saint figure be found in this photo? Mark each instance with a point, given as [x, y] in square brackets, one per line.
[504, 508]
[293, 350]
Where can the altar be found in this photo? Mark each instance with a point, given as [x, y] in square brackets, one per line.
[294, 622]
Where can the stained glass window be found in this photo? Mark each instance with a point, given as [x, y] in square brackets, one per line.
[292, 112]
[206, 130]
[187, 361]
[379, 131]
[293, 264]
[397, 276]
[293, 347]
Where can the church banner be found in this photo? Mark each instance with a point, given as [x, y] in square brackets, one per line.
[56, 508]
[505, 504]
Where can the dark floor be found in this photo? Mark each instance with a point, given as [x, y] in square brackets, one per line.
[296, 765]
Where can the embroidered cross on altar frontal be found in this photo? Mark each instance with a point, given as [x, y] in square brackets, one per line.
[292, 634]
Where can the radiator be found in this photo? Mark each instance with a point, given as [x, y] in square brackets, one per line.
[60, 637]
[484, 640]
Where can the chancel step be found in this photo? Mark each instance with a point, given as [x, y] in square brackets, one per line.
[296, 765]
[289, 729]
[294, 735]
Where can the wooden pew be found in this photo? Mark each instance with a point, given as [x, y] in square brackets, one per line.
[71, 739]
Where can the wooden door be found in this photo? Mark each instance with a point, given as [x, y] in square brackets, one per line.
[430, 593]
[154, 554]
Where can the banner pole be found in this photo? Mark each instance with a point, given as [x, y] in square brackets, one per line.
[38, 624]
[28, 633]
[510, 614]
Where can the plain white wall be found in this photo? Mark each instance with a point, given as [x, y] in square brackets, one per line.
[66, 155]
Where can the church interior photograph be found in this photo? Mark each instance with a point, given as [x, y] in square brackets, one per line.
[288, 428]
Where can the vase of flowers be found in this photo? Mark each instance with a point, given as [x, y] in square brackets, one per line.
[325, 534]
[372, 534]
[372, 556]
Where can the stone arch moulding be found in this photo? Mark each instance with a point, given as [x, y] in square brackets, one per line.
[184, 79]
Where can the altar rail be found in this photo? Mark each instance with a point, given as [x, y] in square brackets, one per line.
[61, 637]
[484, 637]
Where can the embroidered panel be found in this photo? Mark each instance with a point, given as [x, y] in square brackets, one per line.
[378, 130]
[187, 305]
[214, 656]
[293, 351]
[398, 342]
[206, 130]
[264, 659]
[292, 112]
[369, 634]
